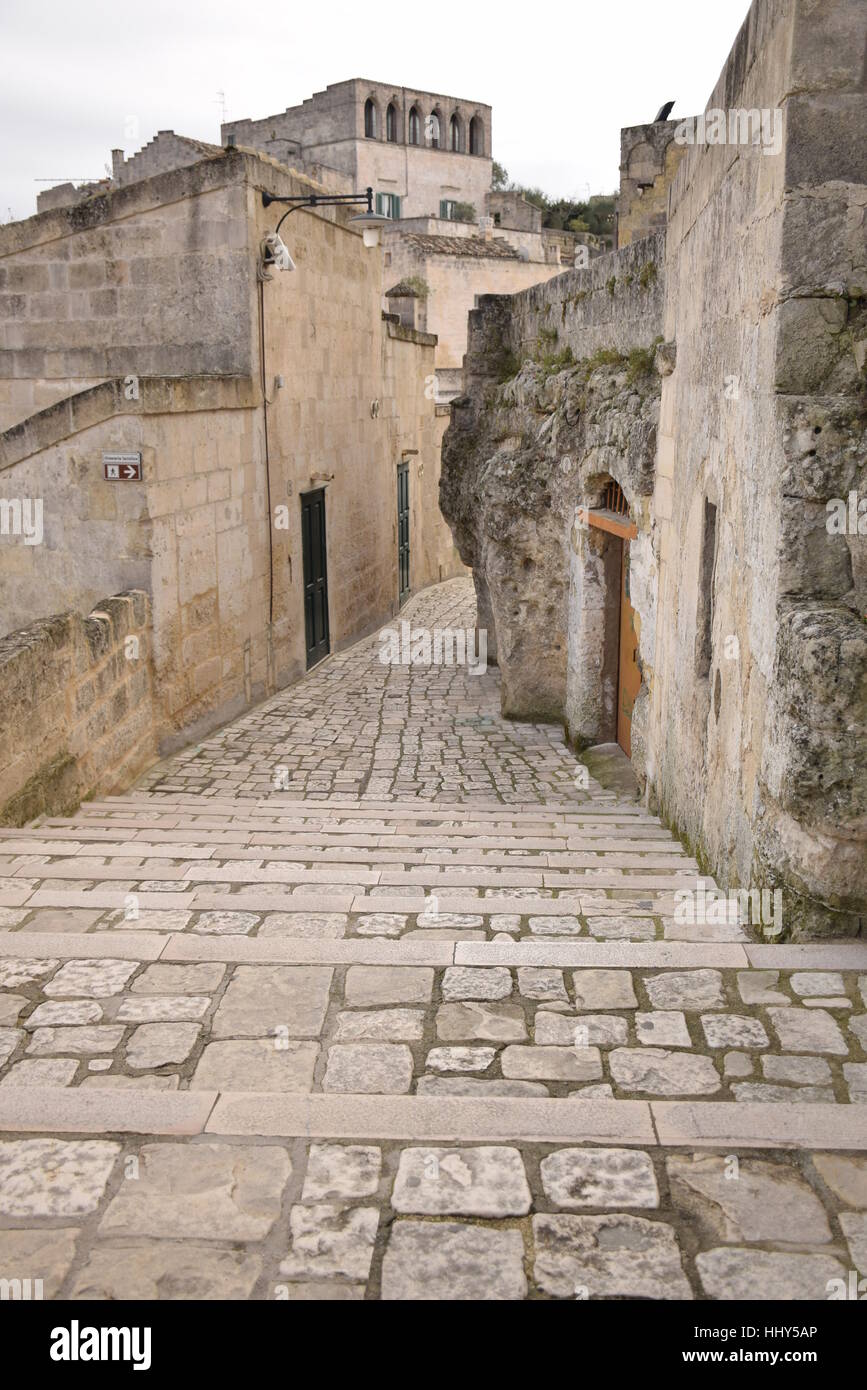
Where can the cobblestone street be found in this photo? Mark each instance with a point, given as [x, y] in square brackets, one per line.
[374, 994]
[357, 727]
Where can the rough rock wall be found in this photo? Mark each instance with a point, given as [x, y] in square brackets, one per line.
[562, 394]
[756, 744]
[749, 729]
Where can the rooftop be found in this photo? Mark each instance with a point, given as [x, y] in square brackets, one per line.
[472, 247]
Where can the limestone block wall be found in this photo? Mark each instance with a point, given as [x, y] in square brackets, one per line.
[649, 157]
[143, 281]
[617, 302]
[76, 694]
[455, 283]
[193, 533]
[760, 696]
[335, 397]
[164, 152]
[421, 176]
[749, 728]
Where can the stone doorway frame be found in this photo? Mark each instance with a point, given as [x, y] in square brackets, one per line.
[596, 556]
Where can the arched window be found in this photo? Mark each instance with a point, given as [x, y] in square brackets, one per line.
[391, 123]
[414, 127]
[477, 136]
[456, 134]
[433, 130]
[369, 120]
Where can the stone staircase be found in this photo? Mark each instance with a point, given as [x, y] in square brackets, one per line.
[413, 1006]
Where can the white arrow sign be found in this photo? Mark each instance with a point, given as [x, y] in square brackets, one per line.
[121, 468]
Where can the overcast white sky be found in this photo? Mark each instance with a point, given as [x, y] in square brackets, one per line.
[79, 76]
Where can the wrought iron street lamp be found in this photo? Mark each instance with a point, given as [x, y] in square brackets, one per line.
[367, 222]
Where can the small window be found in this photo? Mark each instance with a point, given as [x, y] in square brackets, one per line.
[456, 135]
[391, 123]
[477, 136]
[414, 127]
[447, 208]
[433, 130]
[369, 120]
[388, 205]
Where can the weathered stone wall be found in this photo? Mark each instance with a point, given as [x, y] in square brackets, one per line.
[76, 695]
[164, 152]
[749, 728]
[328, 129]
[213, 529]
[755, 752]
[616, 303]
[454, 283]
[649, 157]
[142, 281]
[509, 209]
[555, 404]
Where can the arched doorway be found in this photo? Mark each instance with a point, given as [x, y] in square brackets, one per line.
[605, 671]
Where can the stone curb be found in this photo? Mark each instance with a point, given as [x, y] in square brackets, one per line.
[56, 1110]
[703, 1124]
[183, 946]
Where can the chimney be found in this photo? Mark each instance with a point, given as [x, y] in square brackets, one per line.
[117, 162]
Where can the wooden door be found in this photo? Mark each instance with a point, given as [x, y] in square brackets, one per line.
[315, 576]
[403, 532]
[629, 676]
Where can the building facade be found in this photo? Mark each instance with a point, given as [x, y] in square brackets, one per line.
[143, 326]
[658, 469]
[417, 150]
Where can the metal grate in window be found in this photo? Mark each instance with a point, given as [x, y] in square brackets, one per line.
[614, 501]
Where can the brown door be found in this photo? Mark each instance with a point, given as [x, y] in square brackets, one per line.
[629, 676]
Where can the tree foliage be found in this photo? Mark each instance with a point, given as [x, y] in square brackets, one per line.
[594, 215]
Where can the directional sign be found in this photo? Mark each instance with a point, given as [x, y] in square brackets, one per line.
[121, 468]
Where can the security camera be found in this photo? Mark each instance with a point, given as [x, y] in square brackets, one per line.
[275, 252]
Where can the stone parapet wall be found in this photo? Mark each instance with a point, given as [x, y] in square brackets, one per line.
[617, 303]
[78, 719]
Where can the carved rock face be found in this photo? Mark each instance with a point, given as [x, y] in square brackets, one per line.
[518, 460]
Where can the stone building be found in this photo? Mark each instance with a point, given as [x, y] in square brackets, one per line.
[451, 264]
[649, 156]
[419, 151]
[427, 158]
[644, 467]
[273, 416]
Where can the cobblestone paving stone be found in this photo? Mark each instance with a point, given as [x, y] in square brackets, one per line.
[460, 1021]
[373, 889]
[357, 726]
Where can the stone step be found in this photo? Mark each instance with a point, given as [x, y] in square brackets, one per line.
[449, 1119]
[179, 946]
[80, 836]
[429, 877]
[343, 898]
[330, 833]
[633, 855]
[393, 809]
[240, 826]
